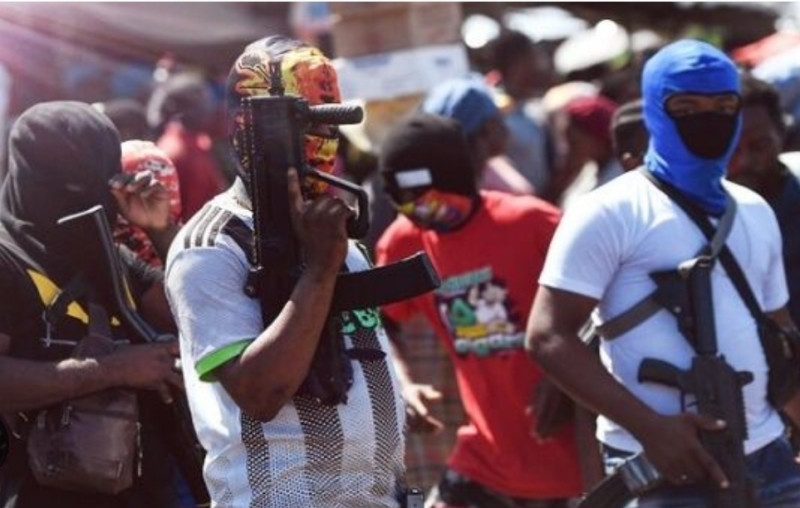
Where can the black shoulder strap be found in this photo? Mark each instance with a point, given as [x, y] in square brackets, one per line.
[652, 303]
[57, 308]
[726, 257]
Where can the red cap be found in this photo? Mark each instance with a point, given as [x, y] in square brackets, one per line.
[593, 115]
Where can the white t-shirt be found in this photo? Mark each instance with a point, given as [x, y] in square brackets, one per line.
[308, 455]
[609, 242]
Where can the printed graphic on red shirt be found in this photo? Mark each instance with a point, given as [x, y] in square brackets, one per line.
[477, 311]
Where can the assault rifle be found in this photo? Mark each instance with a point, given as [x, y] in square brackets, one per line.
[273, 141]
[716, 387]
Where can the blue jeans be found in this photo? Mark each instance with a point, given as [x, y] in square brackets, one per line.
[775, 475]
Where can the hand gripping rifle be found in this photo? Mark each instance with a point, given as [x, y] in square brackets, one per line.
[716, 386]
[717, 389]
[180, 435]
[273, 140]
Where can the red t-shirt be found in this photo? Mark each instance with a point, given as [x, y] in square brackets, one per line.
[489, 270]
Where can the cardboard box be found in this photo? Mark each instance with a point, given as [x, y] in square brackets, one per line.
[400, 73]
[369, 28]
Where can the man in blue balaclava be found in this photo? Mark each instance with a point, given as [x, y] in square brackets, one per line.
[600, 262]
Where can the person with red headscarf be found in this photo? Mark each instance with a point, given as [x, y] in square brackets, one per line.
[144, 156]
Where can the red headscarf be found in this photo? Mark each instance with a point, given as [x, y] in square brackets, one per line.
[145, 156]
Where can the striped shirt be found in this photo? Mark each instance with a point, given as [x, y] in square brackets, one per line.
[309, 455]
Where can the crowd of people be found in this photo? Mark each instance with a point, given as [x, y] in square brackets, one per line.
[546, 209]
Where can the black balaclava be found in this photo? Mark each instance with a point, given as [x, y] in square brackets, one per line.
[61, 157]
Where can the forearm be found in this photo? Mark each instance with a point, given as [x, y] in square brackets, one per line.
[589, 458]
[271, 369]
[400, 364]
[26, 385]
[154, 307]
[578, 371]
[162, 239]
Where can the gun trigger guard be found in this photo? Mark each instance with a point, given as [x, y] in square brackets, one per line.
[356, 226]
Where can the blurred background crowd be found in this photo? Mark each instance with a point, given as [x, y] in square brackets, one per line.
[539, 88]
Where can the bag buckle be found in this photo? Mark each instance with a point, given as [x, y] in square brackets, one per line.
[48, 339]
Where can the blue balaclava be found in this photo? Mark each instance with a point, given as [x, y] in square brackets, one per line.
[691, 152]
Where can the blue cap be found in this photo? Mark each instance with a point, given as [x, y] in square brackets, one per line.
[465, 100]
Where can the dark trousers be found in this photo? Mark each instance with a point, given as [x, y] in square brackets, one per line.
[456, 490]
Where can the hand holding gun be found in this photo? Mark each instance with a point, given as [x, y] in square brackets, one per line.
[717, 388]
[274, 141]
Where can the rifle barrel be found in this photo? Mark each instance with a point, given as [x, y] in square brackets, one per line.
[335, 114]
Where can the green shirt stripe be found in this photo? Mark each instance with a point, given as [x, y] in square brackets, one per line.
[206, 366]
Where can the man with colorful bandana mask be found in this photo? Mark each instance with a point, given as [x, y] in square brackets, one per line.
[601, 257]
[488, 247]
[144, 156]
[270, 444]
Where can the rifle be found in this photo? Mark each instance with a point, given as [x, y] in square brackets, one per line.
[273, 142]
[181, 437]
[716, 386]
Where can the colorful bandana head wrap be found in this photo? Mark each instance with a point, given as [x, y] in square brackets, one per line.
[145, 156]
[437, 210]
[687, 66]
[305, 72]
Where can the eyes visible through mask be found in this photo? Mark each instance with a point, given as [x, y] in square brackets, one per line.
[685, 104]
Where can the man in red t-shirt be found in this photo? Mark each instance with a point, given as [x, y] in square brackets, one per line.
[488, 248]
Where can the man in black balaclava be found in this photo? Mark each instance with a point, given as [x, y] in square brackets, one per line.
[62, 157]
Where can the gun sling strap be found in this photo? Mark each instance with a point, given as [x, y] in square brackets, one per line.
[648, 306]
[726, 257]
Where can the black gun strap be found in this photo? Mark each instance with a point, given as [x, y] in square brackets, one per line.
[726, 257]
[650, 305]
[57, 307]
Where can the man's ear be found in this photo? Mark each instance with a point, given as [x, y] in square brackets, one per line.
[629, 161]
